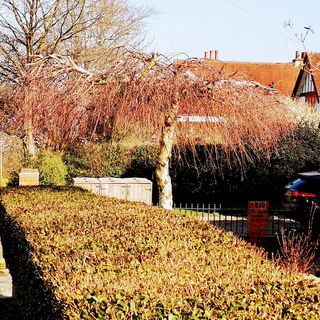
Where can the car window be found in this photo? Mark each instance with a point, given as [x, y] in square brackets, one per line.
[315, 185]
[312, 186]
[297, 184]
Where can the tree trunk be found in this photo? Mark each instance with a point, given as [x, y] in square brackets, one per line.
[163, 161]
[28, 140]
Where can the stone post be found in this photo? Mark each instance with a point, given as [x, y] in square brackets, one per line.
[258, 220]
[29, 177]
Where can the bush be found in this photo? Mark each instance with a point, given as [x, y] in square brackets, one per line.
[52, 170]
[143, 161]
[75, 255]
[111, 160]
[12, 152]
[298, 252]
[259, 180]
[96, 160]
[3, 182]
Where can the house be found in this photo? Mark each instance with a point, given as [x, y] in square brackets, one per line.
[307, 87]
[298, 79]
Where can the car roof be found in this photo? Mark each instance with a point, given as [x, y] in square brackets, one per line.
[309, 175]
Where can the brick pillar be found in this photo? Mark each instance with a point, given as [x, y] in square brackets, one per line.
[258, 219]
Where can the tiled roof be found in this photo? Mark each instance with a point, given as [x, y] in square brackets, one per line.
[314, 60]
[281, 76]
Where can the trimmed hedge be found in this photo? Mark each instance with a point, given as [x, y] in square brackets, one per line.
[260, 180]
[194, 180]
[74, 255]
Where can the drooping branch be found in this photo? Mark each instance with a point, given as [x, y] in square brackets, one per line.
[141, 97]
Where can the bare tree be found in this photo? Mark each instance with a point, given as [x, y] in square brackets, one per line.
[88, 31]
[77, 28]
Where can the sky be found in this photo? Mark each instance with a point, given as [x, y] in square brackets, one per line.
[242, 30]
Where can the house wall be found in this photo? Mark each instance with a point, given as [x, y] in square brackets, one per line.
[311, 98]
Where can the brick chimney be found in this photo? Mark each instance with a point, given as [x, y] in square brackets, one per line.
[298, 60]
[211, 55]
[216, 54]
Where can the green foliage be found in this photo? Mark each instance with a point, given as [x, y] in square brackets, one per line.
[3, 182]
[96, 160]
[142, 161]
[259, 180]
[299, 153]
[100, 258]
[52, 170]
[111, 160]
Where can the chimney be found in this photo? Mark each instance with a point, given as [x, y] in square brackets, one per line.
[206, 55]
[216, 54]
[210, 54]
[297, 55]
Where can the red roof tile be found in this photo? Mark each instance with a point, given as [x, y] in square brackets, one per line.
[281, 76]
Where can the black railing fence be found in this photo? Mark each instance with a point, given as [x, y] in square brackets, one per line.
[235, 220]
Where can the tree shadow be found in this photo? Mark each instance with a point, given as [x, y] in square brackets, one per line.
[9, 309]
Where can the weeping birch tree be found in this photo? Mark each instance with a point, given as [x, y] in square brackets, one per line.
[188, 104]
[150, 99]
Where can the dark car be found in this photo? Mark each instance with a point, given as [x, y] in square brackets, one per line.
[301, 193]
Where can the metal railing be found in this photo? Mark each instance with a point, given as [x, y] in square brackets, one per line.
[235, 220]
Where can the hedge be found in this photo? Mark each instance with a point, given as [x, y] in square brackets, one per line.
[74, 255]
[259, 180]
[194, 180]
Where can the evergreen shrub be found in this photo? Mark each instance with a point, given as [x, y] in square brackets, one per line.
[52, 169]
[96, 160]
[143, 160]
[258, 180]
[75, 255]
[111, 160]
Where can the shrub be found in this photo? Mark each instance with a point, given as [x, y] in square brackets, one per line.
[3, 182]
[96, 160]
[52, 170]
[12, 152]
[143, 160]
[298, 251]
[92, 258]
[259, 180]
[111, 160]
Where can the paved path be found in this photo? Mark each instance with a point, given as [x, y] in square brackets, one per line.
[5, 278]
[8, 309]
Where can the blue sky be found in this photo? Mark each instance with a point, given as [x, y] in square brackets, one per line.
[242, 30]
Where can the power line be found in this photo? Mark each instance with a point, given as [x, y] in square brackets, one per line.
[262, 21]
